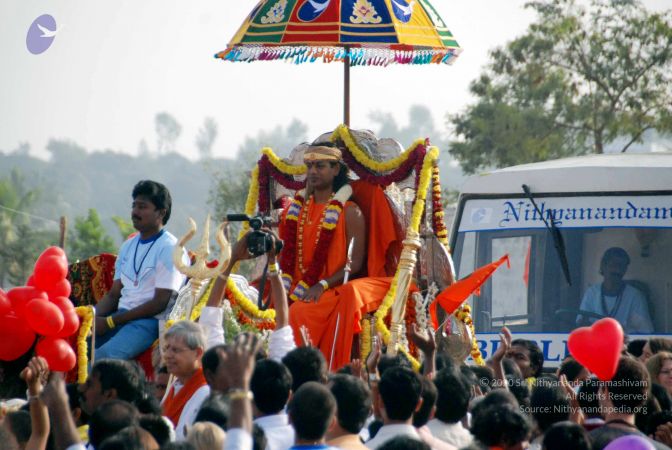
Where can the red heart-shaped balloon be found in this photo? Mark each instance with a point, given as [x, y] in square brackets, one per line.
[63, 303]
[54, 251]
[49, 270]
[60, 289]
[16, 337]
[5, 304]
[44, 317]
[58, 353]
[598, 347]
[70, 324]
[22, 295]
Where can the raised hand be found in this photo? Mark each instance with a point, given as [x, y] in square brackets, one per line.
[426, 342]
[505, 339]
[35, 374]
[374, 357]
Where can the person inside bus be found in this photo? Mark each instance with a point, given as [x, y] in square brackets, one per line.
[616, 298]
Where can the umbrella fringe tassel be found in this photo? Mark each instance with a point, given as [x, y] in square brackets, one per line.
[360, 56]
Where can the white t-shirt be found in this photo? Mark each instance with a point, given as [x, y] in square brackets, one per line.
[631, 312]
[143, 266]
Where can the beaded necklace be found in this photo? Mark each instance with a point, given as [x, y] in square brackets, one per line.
[302, 221]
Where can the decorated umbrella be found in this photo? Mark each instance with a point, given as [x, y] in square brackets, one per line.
[356, 32]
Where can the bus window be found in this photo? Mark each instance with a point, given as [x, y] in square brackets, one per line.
[510, 286]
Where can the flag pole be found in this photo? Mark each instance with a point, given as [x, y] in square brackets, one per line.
[346, 86]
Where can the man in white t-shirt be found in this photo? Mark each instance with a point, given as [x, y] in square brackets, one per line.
[616, 298]
[145, 279]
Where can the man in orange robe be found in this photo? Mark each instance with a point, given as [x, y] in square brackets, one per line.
[330, 310]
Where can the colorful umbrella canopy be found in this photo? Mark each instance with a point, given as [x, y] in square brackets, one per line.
[358, 32]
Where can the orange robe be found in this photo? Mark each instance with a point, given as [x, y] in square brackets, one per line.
[174, 403]
[343, 305]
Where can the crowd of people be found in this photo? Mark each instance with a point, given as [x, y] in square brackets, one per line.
[243, 395]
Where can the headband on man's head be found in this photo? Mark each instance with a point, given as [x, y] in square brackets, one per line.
[322, 153]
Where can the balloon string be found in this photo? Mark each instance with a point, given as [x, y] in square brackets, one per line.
[29, 215]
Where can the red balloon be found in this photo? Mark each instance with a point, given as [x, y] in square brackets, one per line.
[63, 303]
[44, 317]
[60, 289]
[20, 296]
[70, 324]
[16, 337]
[54, 251]
[58, 353]
[49, 270]
[598, 348]
[5, 304]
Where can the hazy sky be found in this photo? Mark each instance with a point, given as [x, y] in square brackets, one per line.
[115, 64]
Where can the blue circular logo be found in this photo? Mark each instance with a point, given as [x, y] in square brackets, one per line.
[41, 34]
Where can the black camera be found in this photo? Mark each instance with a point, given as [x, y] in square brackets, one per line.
[259, 242]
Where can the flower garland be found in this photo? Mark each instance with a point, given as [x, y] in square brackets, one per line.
[251, 202]
[203, 299]
[326, 233]
[396, 176]
[288, 253]
[409, 320]
[418, 208]
[438, 223]
[343, 132]
[283, 167]
[365, 339]
[246, 305]
[463, 313]
[267, 170]
[236, 299]
[85, 314]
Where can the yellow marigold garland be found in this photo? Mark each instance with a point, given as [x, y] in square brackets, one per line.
[365, 340]
[247, 306]
[252, 198]
[437, 206]
[343, 132]
[203, 299]
[464, 314]
[85, 313]
[416, 217]
[287, 169]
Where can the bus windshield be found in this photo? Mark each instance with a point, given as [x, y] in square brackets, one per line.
[617, 248]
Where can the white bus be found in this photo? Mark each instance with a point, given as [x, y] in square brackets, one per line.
[556, 220]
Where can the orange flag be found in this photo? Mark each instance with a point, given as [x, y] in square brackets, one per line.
[455, 294]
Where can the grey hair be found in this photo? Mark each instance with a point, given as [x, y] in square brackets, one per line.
[190, 332]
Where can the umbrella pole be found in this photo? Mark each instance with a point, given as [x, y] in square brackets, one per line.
[346, 87]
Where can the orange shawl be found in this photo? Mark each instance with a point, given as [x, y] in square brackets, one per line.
[174, 403]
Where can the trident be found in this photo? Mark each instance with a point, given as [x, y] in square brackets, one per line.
[199, 271]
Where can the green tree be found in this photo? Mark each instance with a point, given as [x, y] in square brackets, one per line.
[581, 79]
[89, 238]
[420, 125]
[231, 183]
[22, 251]
[124, 226]
[16, 204]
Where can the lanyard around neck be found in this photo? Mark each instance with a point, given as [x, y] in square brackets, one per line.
[142, 261]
